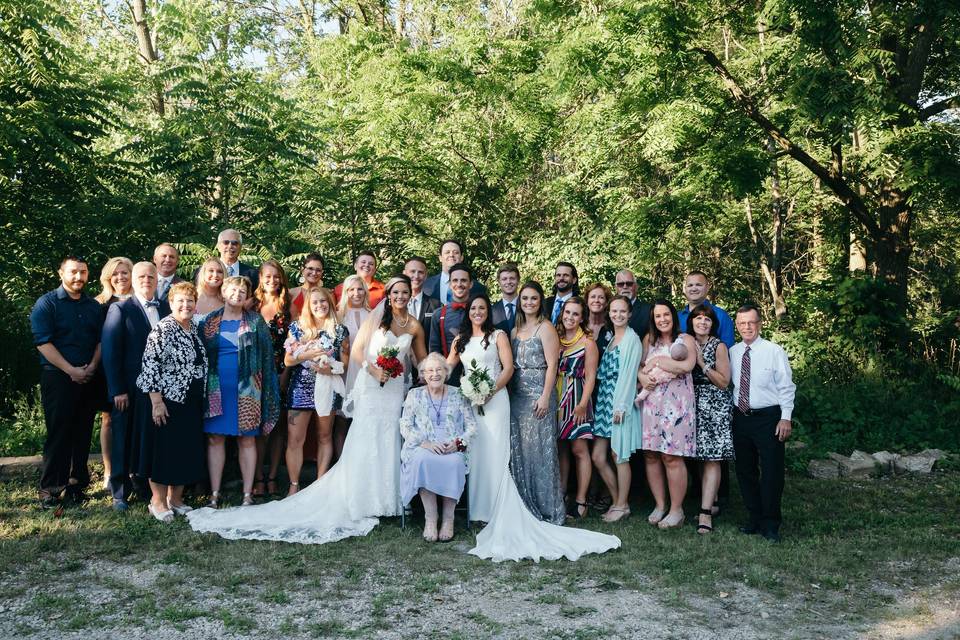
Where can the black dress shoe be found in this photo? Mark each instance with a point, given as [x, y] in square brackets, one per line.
[772, 536]
[750, 529]
[49, 502]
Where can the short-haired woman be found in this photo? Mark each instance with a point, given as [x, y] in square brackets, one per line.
[243, 392]
[711, 385]
[437, 424]
[174, 374]
[116, 280]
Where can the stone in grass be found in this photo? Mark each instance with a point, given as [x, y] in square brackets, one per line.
[936, 454]
[860, 455]
[914, 464]
[824, 469]
[850, 468]
[886, 460]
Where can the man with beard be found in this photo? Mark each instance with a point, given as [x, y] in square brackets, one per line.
[565, 285]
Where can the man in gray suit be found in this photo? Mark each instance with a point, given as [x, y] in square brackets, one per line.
[166, 258]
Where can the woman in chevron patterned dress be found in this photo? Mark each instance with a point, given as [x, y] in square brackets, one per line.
[576, 378]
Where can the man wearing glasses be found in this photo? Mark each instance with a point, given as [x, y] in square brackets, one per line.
[229, 244]
[763, 395]
[626, 284]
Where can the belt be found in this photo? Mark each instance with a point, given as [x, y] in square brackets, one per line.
[762, 411]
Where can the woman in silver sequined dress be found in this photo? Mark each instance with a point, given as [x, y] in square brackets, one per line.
[533, 409]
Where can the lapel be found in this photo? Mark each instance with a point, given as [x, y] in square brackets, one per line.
[138, 316]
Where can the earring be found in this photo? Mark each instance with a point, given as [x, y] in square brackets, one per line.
[302, 280]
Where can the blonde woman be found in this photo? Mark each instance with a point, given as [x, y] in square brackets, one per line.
[315, 340]
[209, 282]
[116, 279]
[353, 311]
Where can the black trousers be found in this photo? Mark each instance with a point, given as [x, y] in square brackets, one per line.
[124, 447]
[759, 465]
[68, 411]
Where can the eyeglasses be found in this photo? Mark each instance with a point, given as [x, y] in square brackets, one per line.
[232, 243]
[626, 284]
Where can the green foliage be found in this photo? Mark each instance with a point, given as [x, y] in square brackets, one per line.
[25, 433]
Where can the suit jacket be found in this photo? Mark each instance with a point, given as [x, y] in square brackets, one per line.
[640, 318]
[548, 307]
[500, 320]
[245, 270]
[122, 342]
[174, 281]
[428, 306]
[431, 287]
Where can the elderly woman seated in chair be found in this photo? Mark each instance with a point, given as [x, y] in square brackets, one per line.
[436, 426]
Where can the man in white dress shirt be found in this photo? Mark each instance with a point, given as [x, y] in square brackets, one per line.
[166, 258]
[763, 397]
[438, 285]
[421, 306]
[505, 309]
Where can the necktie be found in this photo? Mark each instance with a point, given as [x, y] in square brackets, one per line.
[162, 289]
[449, 294]
[557, 305]
[743, 401]
[412, 309]
[510, 314]
[152, 303]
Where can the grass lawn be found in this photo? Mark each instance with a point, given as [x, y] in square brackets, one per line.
[867, 559]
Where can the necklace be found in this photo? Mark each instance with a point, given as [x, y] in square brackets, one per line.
[437, 406]
[402, 325]
[576, 338]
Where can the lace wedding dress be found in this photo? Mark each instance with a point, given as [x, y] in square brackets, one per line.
[363, 484]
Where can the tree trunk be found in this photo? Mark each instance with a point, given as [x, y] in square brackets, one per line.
[769, 275]
[146, 49]
[893, 248]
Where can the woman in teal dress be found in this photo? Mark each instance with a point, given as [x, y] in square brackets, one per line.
[617, 421]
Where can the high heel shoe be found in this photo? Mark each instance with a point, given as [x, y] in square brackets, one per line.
[656, 516]
[247, 500]
[615, 514]
[705, 528]
[214, 502]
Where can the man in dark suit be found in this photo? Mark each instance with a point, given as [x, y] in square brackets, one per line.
[505, 309]
[438, 285]
[421, 306]
[125, 332]
[447, 320]
[229, 244]
[626, 284]
[166, 258]
[566, 284]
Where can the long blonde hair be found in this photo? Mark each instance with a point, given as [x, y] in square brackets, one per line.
[310, 323]
[201, 289]
[347, 284]
[107, 272]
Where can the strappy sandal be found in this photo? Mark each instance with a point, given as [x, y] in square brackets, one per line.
[577, 510]
[704, 529]
[624, 513]
[247, 500]
[272, 488]
[214, 502]
[656, 516]
[294, 487]
[668, 523]
[259, 488]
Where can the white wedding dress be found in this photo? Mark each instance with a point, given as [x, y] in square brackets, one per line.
[490, 446]
[512, 532]
[363, 484]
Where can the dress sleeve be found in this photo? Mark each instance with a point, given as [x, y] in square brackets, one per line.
[151, 373]
[469, 420]
[413, 435]
[626, 388]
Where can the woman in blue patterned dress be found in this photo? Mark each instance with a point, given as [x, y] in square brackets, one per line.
[316, 342]
[616, 420]
[575, 381]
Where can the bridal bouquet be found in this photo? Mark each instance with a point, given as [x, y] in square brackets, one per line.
[477, 385]
[388, 361]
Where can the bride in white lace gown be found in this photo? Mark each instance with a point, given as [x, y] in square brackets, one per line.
[512, 532]
[365, 482]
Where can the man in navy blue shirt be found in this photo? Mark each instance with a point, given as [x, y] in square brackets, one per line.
[66, 327]
[695, 289]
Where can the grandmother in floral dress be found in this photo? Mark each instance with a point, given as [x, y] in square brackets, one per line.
[437, 425]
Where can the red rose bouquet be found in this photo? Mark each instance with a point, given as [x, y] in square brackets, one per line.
[388, 361]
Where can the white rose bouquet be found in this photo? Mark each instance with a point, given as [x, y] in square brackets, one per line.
[477, 385]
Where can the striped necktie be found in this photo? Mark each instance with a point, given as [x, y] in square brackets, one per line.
[743, 401]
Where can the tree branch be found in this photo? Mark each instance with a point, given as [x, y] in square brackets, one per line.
[748, 105]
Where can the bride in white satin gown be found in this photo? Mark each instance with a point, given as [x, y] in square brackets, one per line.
[365, 482]
[512, 532]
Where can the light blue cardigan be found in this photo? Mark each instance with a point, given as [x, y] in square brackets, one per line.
[625, 438]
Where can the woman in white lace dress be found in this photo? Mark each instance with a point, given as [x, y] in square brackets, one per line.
[365, 482]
